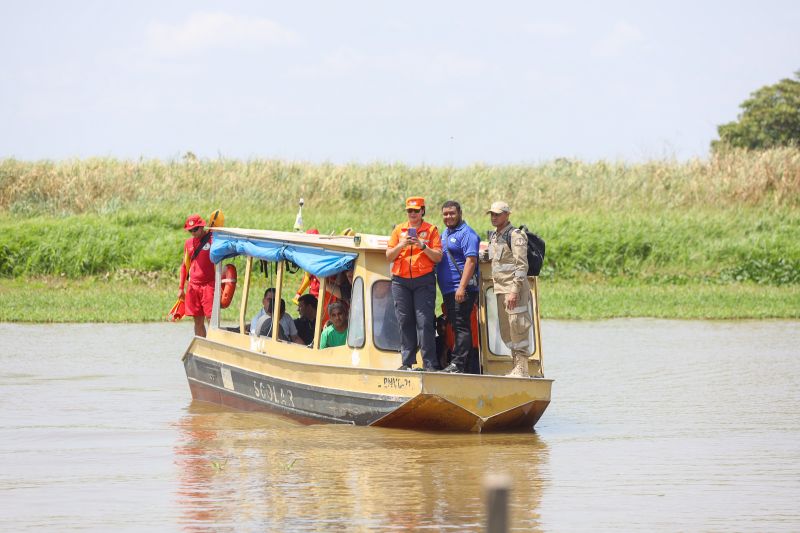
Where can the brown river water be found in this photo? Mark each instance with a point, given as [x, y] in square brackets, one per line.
[654, 425]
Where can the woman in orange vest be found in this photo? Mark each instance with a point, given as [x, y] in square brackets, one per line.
[414, 248]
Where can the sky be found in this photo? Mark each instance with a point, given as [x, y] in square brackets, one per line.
[415, 82]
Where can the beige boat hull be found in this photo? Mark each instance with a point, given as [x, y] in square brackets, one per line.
[315, 392]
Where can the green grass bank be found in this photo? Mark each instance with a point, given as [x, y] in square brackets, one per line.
[131, 300]
[100, 239]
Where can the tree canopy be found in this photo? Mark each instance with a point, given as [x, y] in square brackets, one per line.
[769, 118]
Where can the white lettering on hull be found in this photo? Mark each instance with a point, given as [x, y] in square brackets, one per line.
[272, 394]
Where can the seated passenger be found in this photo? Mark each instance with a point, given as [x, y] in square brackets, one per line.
[266, 309]
[307, 309]
[264, 328]
[335, 333]
[287, 325]
[341, 286]
[288, 329]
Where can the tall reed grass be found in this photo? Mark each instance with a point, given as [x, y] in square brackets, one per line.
[731, 218]
[728, 178]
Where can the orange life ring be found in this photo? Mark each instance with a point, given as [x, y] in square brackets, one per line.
[228, 286]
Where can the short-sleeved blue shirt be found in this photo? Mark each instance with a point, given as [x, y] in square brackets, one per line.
[462, 242]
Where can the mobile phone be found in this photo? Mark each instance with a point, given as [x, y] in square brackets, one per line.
[412, 233]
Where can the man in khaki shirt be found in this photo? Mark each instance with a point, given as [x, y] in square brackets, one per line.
[511, 287]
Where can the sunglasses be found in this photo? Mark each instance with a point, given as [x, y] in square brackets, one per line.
[413, 210]
[194, 229]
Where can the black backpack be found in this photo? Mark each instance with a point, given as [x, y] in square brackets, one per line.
[535, 250]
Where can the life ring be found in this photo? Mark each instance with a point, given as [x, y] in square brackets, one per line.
[228, 286]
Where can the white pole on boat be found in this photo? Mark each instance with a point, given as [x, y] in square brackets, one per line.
[298, 220]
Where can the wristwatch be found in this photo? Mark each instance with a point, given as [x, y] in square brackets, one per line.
[424, 246]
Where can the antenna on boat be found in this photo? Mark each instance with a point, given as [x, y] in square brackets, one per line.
[298, 220]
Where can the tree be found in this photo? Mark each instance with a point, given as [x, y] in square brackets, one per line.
[769, 118]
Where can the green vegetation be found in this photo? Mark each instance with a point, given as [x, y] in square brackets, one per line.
[593, 300]
[100, 239]
[84, 300]
[127, 300]
[769, 118]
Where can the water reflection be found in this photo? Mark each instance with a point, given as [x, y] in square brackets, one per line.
[253, 470]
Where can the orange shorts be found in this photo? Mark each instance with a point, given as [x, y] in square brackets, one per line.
[199, 299]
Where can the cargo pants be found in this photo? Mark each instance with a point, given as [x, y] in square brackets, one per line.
[515, 324]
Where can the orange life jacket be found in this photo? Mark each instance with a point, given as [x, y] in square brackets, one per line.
[412, 261]
[450, 332]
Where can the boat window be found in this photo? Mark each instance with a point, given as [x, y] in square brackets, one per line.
[496, 344]
[385, 329]
[355, 328]
[292, 285]
[262, 284]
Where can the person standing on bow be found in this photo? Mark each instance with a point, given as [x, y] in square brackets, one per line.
[508, 251]
[458, 282]
[414, 249]
[199, 270]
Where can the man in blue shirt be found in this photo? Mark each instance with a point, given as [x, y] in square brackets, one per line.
[458, 282]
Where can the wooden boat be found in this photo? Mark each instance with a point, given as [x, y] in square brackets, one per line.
[357, 383]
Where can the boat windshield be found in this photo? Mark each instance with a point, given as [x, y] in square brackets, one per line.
[385, 328]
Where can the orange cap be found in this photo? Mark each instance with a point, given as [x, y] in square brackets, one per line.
[415, 202]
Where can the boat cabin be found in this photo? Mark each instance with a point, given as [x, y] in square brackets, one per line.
[279, 260]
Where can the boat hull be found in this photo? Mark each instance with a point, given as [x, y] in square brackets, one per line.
[216, 382]
[318, 393]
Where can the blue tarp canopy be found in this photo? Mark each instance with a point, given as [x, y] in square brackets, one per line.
[317, 261]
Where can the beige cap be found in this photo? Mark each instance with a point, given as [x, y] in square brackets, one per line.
[499, 207]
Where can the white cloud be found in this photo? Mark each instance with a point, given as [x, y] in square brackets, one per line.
[620, 38]
[206, 30]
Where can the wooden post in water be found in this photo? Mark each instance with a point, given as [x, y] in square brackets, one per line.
[497, 488]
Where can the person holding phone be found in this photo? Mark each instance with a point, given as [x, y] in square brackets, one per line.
[414, 249]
